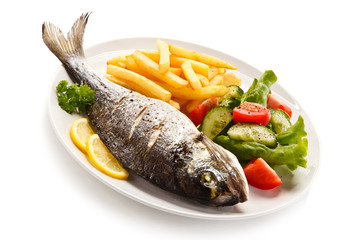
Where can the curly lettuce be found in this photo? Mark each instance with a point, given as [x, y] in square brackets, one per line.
[260, 89]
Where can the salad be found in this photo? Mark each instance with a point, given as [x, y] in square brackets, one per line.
[256, 127]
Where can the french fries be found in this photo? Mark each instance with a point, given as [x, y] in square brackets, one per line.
[164, 61]
[203, 80]
[207, 59]
[152, 68]
[178, 76]
[175, 61]
[131, 76]
[190, 75]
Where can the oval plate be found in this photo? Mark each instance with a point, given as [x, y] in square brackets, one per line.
[259, 203]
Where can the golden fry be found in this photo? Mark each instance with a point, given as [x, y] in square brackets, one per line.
[176, 71]
[131, 65]
[190, 75]
[175, 61]
[189, 93]
[197, 66]
[142, 81]
[201, 57]
[130, 85]
[164, 61]
[152, 68]
[153, 55]
[203, 80]
[115, 60]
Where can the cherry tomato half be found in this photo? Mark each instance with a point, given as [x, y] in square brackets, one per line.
[251, 112]
[273, 102]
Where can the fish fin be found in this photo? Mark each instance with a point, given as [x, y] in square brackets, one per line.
[63, 47]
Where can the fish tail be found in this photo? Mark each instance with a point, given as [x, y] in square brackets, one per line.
[62, 47]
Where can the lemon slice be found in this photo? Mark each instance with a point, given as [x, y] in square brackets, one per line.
[103, 160]
[80, 133]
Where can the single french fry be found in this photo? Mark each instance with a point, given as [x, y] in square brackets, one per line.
[176, 71]
[152, 68]
[164, 61]
[197, 66]
[140, 80]
[120, 64]
[217, 80]
[189, 93]
[175, 61]
[213, 71]
[153, 55]
[131, 65]
[201, 57]
[203, 80]
[192, 104]
[190, 75]
[130, 85]
[230, 78]
[174, 104]
[115, 60]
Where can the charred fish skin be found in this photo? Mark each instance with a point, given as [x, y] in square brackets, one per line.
[148, 136]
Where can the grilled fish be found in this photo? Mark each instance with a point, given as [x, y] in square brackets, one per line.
[148, 136]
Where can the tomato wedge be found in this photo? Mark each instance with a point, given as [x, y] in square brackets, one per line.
[273, 102]
[197, 115]
[251, 112]
[260, 175]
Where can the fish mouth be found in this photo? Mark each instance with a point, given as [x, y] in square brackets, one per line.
[232, 192]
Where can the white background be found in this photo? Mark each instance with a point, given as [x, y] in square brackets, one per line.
[312, 46]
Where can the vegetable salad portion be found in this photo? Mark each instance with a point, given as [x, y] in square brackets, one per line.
[256, 127]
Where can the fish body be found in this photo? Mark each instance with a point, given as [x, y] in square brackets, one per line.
[149, 137]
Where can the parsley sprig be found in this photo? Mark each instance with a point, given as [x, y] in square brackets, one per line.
[74, 98]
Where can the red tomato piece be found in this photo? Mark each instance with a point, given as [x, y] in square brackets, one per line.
[273, 102]
[251, 112]
[197, 115]
[260, 175]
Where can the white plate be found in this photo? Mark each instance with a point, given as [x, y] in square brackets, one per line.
[259, 203]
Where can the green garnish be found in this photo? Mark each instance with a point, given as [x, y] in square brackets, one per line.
[74, 98]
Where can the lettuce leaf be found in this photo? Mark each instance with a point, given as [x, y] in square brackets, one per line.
[291, 150]
[260, 89]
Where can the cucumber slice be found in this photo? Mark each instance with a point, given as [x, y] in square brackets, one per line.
[253, 132]
[232, 98]
[215, 121]
[279, 120]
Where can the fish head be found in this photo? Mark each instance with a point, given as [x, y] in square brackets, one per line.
[215, 176]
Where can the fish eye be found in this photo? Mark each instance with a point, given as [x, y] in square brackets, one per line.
[208, 179]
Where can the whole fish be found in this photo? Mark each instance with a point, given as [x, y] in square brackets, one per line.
[149, 137]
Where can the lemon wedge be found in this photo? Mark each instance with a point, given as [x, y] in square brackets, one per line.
[80, 133]
[103, 160]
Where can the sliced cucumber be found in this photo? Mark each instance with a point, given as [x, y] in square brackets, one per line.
[279, 120]
[215, 121]
[232, 98]
[253, 132]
